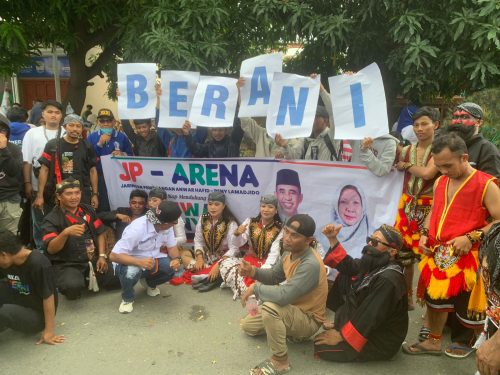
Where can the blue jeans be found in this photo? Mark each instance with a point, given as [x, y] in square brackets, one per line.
[130, 275]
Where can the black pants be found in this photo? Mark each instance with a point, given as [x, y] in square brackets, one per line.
[15, 316]
[342, 352]
[71, 278]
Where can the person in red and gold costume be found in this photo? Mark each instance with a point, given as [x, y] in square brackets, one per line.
[464, 198]
[420, 173]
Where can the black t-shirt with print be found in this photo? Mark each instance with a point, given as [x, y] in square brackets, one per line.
[31, 282]
[75, 248]
[75, 160]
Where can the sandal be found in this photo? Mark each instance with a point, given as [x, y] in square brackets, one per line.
[267, 368]
[466, 350]
[418, 349]
[423, 334]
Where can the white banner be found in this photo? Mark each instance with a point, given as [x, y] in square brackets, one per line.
[258, 73]
[214, 102]
[292, 106]
[177, 93]
[359, 106]
[136, 83]
[330, 192]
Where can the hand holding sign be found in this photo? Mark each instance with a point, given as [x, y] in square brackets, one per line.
[136, 84]
[359, 106]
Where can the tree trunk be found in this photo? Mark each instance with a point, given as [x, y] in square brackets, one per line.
[77, 86]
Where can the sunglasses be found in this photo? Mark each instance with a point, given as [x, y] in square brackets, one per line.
[375, 242]
[105, 121]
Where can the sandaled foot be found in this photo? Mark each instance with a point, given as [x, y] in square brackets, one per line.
[268, 367]
[420, 348]
[456, 350]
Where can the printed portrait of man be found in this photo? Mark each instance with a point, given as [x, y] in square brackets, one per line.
[288, 192]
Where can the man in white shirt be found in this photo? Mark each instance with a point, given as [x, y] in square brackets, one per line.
[33, 145]
[139, 252]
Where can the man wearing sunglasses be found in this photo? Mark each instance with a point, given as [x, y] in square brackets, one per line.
[107, 141]
[369, 299]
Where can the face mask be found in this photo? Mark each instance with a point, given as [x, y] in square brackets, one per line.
[107, 131]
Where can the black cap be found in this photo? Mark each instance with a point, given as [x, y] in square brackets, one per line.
[105, 113]
[166, 212]
[302, 224]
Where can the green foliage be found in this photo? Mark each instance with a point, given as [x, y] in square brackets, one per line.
[424, 48]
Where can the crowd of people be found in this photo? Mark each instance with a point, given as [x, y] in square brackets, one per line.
[55, 235]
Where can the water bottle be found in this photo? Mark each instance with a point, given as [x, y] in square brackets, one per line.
[252, 305]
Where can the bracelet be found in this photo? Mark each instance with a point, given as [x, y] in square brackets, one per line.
[104, 256]
[475, 236]
[27, 182]
[408, 166]
[96, 194]
[424, 232]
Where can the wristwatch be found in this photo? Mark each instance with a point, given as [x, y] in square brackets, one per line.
[104, 256]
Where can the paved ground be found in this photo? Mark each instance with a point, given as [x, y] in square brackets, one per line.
[180, 332]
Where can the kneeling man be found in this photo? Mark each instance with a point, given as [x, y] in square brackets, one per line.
[71, 233]
[293, 293]
[138, 254]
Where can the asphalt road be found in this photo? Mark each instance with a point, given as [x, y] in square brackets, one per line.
[180, 332]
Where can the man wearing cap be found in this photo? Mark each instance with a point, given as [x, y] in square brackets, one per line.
[71, 234]
[140, 253]
[288, 192]
[369, 299]
[293, 294]
[155, 197]
[34, 143]
[11, 161]
[107, 141]
[65, 157]
[483, 155]
[145, 140]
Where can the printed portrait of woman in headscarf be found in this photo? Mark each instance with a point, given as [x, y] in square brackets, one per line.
[349, 209]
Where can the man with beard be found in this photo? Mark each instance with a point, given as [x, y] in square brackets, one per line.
[369, 299]
[483, 155]
[68, 157]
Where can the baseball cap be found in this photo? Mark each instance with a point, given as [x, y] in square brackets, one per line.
[105, 113]
[166, 212]
[302, 224]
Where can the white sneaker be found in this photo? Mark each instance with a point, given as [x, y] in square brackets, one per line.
[126, 307]
[153, 292]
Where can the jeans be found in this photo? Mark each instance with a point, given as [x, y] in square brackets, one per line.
[130, 275]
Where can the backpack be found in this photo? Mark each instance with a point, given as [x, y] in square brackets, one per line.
[334, 156]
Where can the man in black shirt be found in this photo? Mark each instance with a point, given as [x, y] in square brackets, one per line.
[69, 156]
[122, 216]
[466, 122]
[71, 233]
[28, 297]
[369, 299]
[145, 140]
